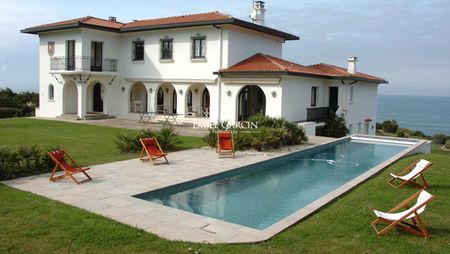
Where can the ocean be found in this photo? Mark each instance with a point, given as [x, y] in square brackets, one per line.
[428, 114]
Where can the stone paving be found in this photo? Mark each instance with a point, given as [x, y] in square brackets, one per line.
[111, 191]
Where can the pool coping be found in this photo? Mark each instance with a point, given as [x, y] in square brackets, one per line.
[171, 223]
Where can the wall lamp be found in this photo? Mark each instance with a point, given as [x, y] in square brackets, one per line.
[150, 90]
[229, 93]
[274, 94]
[180, 91]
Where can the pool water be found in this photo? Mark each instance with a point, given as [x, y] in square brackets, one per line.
[262, 194]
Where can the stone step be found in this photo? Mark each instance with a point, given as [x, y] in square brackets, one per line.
[97, 116]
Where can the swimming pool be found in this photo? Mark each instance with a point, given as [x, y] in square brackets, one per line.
[259, 195]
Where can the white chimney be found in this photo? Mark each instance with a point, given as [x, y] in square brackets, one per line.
[351, 67]
[257, 14]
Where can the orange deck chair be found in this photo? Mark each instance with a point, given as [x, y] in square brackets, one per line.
[225, 144]
[64, 162]
[151, 147]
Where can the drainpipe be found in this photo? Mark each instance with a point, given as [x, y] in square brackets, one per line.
[219, 82]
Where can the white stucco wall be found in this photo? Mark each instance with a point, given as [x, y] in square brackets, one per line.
[242, 44]
[297, 96]
[364, 106]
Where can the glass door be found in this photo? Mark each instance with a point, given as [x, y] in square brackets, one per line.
[96, 55]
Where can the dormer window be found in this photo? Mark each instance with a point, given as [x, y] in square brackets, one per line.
[138, 50]
[199, 47]
[166, 49]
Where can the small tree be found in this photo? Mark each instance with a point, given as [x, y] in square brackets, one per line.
[335, 126]
[390, 126]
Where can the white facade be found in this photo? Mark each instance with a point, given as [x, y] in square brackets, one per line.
[135, 85]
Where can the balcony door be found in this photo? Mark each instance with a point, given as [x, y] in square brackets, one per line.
[70, 54]
[333, 100]
[96, 55]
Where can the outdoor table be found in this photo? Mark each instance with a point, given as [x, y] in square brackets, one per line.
[145, 117]
[170, 119]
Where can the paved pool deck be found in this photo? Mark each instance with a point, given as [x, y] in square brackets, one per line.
[111, 191]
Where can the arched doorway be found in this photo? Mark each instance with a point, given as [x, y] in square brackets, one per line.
[251, 101]
[166, 99]
[97, 98]
[138, 98]
[197, 101]
[70, 97]
[205, 103]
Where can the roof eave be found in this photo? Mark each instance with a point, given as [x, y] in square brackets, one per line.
[265, 29]
[381, 81]
[37, 30]
[174, 25]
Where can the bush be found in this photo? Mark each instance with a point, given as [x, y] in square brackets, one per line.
[440, 139]
[168, 138]
[130, 142]
[390, 126]
[404, 133]
[23, 161]
[335, 126]
[270, 133]
[379, 126]
[8, 112]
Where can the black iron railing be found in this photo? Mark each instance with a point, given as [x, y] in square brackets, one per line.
[316, 114]
[83, 63]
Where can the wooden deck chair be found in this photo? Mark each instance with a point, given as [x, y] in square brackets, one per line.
[151, 148]
[225, 144]
[415, 171]
[398, 219]
[64, 162]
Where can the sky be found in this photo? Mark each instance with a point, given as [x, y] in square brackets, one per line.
[406, 42]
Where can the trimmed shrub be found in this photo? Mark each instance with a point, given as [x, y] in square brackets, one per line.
[211, 138]
[126, 143]
[8, 112]
[390, 126]
[335, 126]
[440, 139]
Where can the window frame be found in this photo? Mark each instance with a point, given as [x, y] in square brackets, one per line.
[314, 93]
[134, 45]
[162, 55]
[202, 52]
[51, 92]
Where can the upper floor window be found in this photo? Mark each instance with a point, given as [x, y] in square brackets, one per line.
[166, 49]
[199, 47]
[314, 96]
[51, 92]
[138, 50]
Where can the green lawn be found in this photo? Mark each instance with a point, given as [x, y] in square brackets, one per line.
[33, 224]
[88, 144]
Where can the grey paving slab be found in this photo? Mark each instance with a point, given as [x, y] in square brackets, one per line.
[111, 191]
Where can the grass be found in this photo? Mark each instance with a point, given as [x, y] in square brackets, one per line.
[89, 144]
[30, 223]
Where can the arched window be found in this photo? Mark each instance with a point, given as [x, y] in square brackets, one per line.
[160, 101]
[51, 92]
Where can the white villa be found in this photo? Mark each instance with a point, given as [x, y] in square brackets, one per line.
[203, 66]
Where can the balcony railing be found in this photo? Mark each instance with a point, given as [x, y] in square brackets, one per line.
[316, 114]
[83, 63]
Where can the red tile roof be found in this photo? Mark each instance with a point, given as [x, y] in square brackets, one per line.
[210, 18]
[261, 63]
[84, 20]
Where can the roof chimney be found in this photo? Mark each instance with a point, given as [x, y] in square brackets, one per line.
[351, 67]
[257, 14]
[113, 19]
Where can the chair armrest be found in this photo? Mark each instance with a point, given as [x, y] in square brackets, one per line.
[405, 202]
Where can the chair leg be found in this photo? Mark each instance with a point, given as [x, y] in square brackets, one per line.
[142, 153]
[425, 184]
[53, 173]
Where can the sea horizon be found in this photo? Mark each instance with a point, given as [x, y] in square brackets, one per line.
[426, 113]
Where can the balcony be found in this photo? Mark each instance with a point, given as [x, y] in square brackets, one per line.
[83, 64]
[316, 114]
